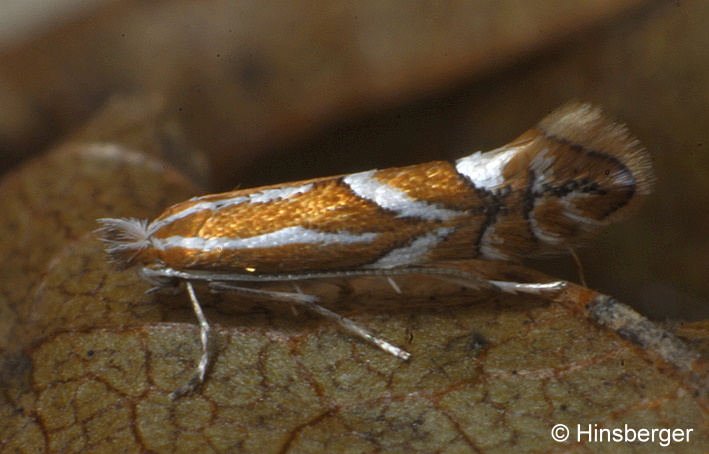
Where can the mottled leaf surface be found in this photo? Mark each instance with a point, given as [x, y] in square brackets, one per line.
[89, 359]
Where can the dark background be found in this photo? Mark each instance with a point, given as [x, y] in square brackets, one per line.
[279, 91]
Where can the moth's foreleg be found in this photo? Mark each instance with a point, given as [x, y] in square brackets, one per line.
[205, 360]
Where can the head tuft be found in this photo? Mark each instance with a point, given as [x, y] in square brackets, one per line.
[125, 238]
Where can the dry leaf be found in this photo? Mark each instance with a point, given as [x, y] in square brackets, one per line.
[89, 359]
[246, 85]
[250, 76]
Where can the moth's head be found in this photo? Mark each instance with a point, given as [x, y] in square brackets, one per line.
[126, 239]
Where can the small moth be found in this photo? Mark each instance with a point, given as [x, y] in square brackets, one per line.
[549, 190]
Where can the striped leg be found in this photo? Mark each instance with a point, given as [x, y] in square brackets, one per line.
[204, 361]
[309, 302]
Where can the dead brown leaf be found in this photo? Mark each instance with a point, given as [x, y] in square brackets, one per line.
[250, 76]
[89, 359]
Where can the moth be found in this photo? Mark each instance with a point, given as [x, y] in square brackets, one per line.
[551, 189]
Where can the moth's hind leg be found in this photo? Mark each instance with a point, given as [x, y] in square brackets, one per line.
[529, 288]
[469, 280]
